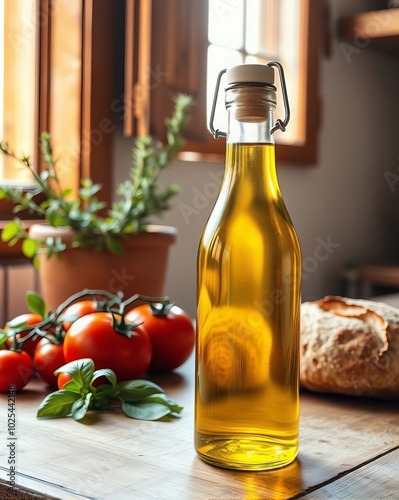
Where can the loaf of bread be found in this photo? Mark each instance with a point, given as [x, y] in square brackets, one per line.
[350, 346]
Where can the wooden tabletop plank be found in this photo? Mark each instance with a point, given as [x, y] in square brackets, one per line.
[112, 456]
[380, 479]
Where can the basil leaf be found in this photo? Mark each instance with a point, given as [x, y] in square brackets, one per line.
[145, 411]
[81, 371]
[102, 401]
[80, 406]
[57, 404]
[35, 303]
[72, 386]
[152, 407]
[107, 373]
[135, 390]
[103, 395]
[163, 399]
[104, 390]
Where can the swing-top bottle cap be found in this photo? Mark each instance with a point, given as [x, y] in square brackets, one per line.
[250, 73]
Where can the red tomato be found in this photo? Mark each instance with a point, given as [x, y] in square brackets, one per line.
[77, 310]
[27, 319]
[16, 369]
[93, 336]
[172, 336]
[47, 358]
[62, 379]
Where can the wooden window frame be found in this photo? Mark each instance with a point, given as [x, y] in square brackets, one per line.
[97, 68]
[169, 49]
[159, 35]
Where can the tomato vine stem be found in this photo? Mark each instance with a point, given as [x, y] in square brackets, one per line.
[51, 326]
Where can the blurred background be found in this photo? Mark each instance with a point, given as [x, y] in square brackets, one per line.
[338, 166]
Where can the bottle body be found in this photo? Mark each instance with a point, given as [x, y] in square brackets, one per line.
[248, 294]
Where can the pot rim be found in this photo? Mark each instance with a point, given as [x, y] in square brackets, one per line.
[44, 230]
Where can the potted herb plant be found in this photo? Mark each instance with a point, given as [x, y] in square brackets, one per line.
[84, 244]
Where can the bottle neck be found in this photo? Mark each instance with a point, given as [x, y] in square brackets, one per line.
[250, 162]
[250, 111]
[243, 132]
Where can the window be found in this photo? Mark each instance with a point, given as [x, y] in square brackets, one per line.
[255, 31]
[57, 66]
[57, 57]
[194, 39]
[60, 74]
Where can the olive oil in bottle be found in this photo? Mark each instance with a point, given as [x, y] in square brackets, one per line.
[248, 293]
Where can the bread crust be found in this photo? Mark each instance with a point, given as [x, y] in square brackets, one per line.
[350, 346]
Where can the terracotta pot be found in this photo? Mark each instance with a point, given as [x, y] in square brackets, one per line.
[141, 269]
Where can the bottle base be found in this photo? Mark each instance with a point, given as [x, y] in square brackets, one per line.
[242, 453]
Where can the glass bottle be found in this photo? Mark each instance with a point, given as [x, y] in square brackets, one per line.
[248, 292]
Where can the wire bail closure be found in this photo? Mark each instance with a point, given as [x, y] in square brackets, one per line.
[280, 124]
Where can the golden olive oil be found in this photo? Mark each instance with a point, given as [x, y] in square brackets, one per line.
[248, 291]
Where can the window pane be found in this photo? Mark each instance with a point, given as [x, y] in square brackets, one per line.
[1, 67]
[272, 31]
[18, 87]
[65, 91]
[261, 27]
[218, 59]
[289, 49]
[225, 23]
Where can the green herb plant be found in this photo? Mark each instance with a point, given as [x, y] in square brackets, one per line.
[140, 399]
[3, 338]
[139, 197]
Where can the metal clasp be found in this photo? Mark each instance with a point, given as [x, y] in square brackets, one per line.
[216, 133]
[279, 123]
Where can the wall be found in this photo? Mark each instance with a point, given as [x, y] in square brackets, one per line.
[343, 204]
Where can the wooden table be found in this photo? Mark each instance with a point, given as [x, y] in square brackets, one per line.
[349, 450]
